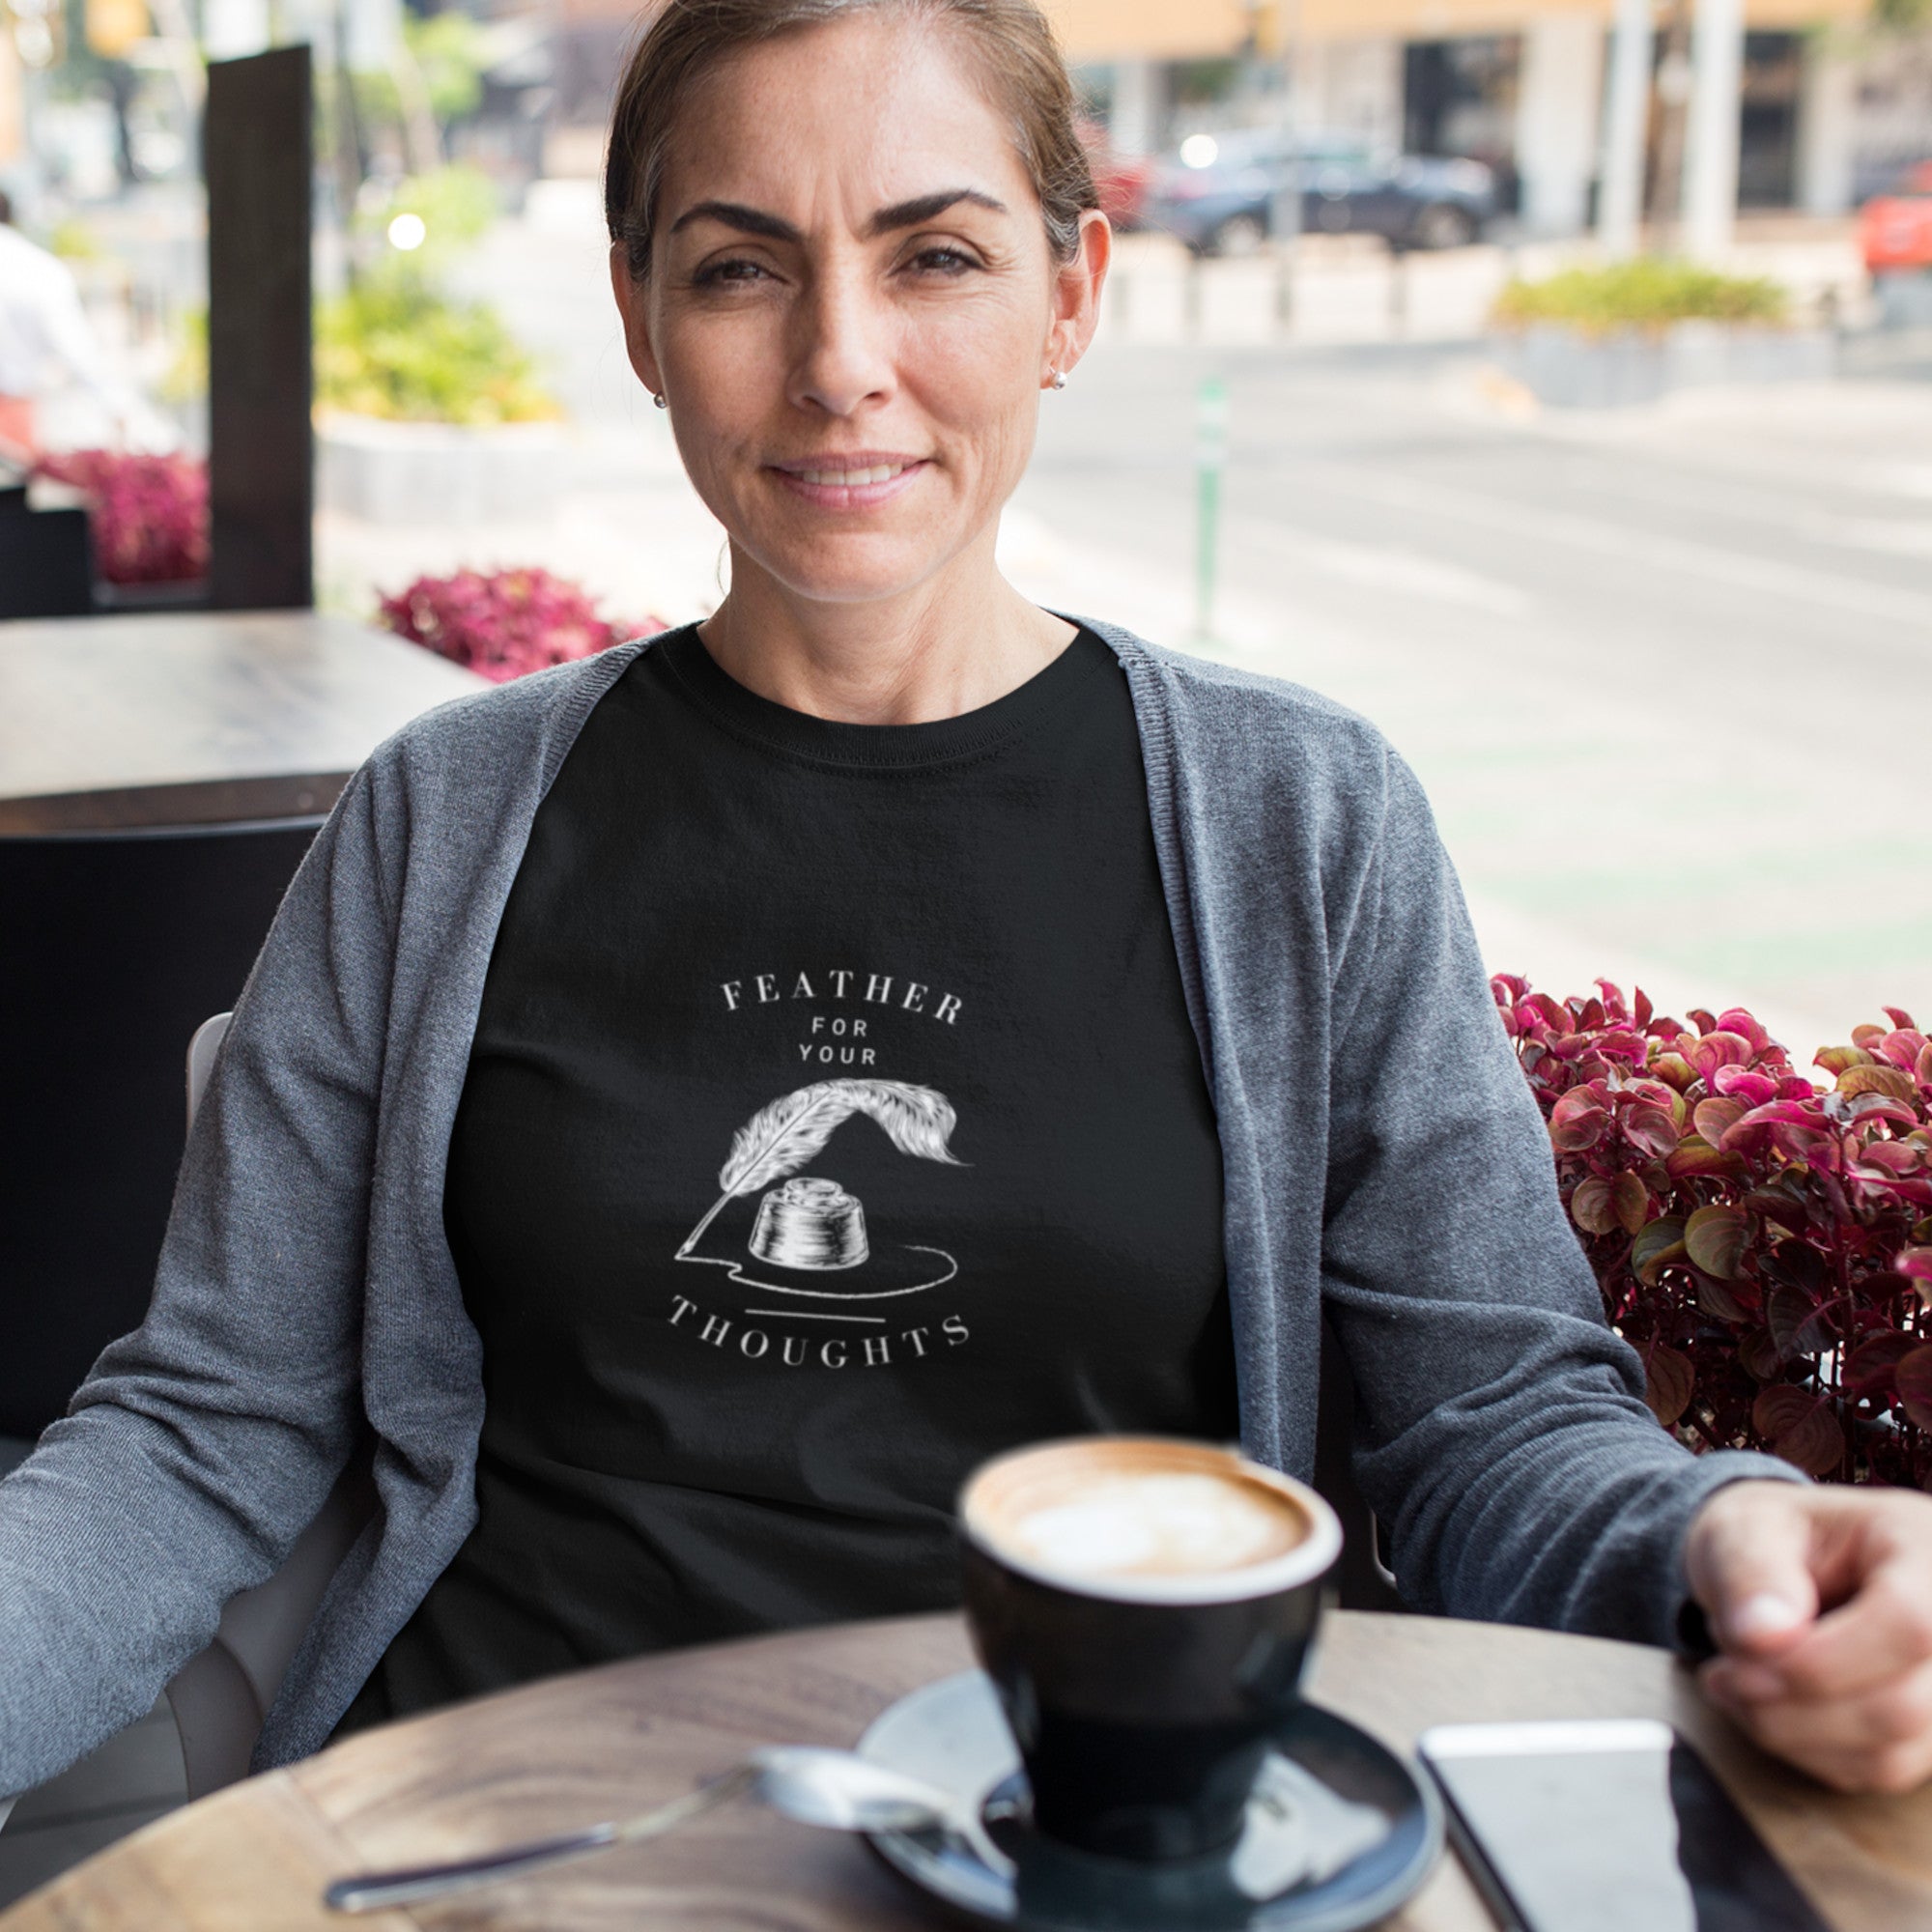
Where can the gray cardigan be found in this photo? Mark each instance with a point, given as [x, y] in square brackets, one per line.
[1383, 1155]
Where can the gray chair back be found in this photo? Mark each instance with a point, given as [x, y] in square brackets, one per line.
[221, 1698]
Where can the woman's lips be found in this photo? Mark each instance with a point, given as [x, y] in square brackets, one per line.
[852, 482]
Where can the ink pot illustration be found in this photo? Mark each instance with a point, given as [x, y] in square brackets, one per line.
[807, 1230]
[809, 1224]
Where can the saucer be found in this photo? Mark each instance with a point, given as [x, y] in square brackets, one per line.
[1339, 1832]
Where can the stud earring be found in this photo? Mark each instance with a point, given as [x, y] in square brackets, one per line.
[660, 401]
[1060, 379]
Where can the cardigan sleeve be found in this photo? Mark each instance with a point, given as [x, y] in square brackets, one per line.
[1502, 1438]
[201, 1445]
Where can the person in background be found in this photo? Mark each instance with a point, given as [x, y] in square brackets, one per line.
[47, 342]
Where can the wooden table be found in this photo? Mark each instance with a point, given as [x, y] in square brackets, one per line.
[606, 1741]
[198, 717]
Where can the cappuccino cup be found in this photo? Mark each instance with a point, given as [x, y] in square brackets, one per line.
[1144, 1609]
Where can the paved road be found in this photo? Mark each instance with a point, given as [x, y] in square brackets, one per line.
[1668, 674]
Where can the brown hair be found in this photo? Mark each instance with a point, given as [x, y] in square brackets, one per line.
[1014, 46]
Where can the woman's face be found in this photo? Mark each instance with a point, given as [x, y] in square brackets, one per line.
[852, 306]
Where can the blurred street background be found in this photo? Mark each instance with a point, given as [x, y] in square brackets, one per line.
[1408, 389]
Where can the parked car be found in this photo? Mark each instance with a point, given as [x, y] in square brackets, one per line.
[1121, 181]
[1895, 228]
[1217, 193]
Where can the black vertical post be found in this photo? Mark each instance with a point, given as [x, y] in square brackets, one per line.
[261, 451]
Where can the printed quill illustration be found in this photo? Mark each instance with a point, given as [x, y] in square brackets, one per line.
[809, 1224]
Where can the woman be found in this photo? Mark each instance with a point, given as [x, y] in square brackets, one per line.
[694, 1104]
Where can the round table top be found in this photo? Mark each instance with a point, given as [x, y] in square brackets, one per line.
[604, 1743]
[198, 716]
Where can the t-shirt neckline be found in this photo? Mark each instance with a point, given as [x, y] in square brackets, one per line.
[828, 741]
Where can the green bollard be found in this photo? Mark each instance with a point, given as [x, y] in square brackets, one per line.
[1210, 456]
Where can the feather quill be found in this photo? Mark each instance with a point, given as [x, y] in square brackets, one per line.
[779, 1139]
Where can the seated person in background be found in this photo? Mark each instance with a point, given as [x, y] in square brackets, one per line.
[1122, 1007]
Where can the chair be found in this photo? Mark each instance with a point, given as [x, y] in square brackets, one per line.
[46, 564]
[221, 1698]
[114, 947]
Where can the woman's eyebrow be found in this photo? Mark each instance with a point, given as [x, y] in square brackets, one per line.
[928, 207]
[735, 214]
[902, 215]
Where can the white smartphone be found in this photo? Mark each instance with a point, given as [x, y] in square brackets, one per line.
[1607, 1826]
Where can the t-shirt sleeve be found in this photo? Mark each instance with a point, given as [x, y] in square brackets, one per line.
[1502, 1436]
[202, 1444]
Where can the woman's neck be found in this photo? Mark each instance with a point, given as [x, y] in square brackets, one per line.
[950, 645]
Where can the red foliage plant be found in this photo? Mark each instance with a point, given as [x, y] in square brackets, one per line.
[1763, 1242]
[504, 623]
[148, 514]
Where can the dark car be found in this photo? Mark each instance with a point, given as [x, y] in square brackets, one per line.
[1217, 194]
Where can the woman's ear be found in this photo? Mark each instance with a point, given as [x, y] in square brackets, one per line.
[1076, 291]
[632, 305]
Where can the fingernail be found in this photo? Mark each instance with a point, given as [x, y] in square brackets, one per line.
[1765, 1615]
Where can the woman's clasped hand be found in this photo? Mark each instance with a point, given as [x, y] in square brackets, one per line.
[1821, 1602]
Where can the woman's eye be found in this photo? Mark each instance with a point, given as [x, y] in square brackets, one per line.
[715, 273]
[942, 262]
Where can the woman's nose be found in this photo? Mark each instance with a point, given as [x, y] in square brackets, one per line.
[842, 356]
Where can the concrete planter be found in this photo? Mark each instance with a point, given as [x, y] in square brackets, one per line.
[405, 472]
[1570, 370]
[1905, 299]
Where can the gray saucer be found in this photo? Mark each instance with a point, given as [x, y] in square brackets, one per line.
[1339, 1832]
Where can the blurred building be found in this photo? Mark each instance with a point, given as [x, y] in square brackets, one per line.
[1825, 117]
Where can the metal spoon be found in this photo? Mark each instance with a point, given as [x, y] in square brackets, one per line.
[835, 1789]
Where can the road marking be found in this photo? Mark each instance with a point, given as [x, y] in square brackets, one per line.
[1889, 537]
[1379, 567]
[1764, 575]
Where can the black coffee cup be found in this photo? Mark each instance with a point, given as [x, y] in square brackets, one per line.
[1140, 1673]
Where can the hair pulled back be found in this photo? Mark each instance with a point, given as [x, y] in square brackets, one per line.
[1010, 42]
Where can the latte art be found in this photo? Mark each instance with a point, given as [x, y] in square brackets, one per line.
[1155, 1526]
[1147, 1517]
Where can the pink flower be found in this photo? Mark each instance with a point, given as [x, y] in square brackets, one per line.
[147, 514]
[505, 623]
[1764, 1242]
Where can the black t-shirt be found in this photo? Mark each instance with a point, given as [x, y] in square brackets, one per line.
[834, 1122]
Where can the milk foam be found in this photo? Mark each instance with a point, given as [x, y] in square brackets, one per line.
[1152, 1523]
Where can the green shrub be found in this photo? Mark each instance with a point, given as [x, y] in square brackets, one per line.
[1647, 293]
[392, 346]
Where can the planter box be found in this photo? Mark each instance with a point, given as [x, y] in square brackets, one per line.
[400, 472]
[1570, 370]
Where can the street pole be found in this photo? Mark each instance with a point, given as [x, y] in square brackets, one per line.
[1715, 131]
[1210, 422]
[1620, 215]
[1673, 93]
[1284, 208]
